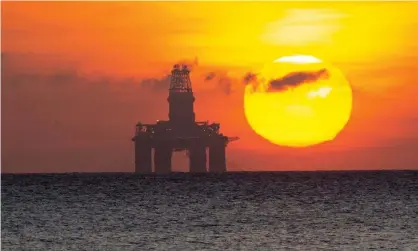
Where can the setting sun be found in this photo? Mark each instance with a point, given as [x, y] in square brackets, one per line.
[298, 101]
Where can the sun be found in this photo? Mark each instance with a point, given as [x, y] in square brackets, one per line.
[298, 101]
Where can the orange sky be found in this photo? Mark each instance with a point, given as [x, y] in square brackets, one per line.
[73, 78]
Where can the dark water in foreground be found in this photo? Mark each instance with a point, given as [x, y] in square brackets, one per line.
[237, 211]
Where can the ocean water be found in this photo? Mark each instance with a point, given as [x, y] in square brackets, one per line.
[234, 211]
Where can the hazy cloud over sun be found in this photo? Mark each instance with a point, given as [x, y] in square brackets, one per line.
[295, 79]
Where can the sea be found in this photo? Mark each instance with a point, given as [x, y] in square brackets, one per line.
[365, 210]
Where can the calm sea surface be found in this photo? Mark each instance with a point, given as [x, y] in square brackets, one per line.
[235, 211]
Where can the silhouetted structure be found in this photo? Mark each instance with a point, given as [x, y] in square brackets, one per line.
[180, 133]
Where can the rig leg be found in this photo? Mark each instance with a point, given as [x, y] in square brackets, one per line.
[162, 158]
[143, 156]
[217, 159]
[197, 157]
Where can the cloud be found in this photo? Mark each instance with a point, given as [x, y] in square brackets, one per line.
[157, 84]
[51, 111]
[223, 81]
[250, 77]
[210, 76]
[295, 79]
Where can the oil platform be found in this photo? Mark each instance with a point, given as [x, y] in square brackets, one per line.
[181, 132]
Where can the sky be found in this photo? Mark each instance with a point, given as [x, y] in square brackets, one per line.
[77, 76]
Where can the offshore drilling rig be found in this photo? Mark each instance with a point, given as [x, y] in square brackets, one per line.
[181, 132]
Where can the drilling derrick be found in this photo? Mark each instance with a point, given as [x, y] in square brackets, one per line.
[180, 97]
[180, 132]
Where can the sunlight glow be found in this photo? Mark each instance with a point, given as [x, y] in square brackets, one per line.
[321, 92]
[298, 59]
